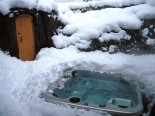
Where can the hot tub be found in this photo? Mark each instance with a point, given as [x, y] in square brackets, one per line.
[114, 93]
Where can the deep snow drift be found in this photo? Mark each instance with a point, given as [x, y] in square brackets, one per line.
[22, 82]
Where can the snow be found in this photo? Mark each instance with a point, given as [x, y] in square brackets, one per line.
[44, 5]
[112, 48]
[100, 23]
[151, 2]
[114, 36]
[150, 41]
[114, 3]
[22, 82]
[145, 32]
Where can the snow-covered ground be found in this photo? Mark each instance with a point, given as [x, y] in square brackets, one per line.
[22, 82]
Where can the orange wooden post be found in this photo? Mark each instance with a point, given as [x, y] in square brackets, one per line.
[25, 37]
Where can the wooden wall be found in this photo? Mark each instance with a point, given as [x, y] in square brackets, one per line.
[45, 26]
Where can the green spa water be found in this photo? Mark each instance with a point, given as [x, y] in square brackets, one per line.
[98, 89]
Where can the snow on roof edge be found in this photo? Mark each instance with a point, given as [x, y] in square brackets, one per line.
[43, 5]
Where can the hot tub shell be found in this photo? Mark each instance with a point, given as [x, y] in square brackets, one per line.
[114, 93]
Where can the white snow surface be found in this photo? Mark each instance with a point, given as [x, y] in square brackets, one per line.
[81, 28]
[114, 3]
[44, 5]
[22, 82]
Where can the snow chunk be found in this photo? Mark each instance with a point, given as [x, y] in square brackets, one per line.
[150, 42]
[59, 41]
[145, 32]
[62, 41]
[151, 26]
[112, 48]
[114, 36]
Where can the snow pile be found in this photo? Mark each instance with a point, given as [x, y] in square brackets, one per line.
[82, 27]
[44, 5]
